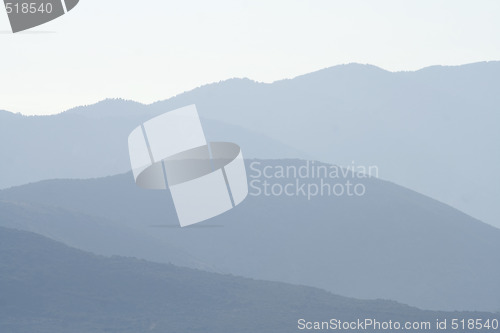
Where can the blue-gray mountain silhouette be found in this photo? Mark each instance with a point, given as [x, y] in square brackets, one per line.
[433, 130]
[46, 286]
[92, 233]
[91, 141]
[392, 243]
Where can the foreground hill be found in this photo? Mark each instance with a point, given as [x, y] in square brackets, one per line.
[48, 287]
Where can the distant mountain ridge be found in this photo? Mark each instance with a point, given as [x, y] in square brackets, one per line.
[95, 142]
[424, 129]
[432, 130]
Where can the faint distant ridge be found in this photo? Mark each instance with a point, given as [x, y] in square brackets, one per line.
[433, 130]
[6, 114]
[425, 129]
[110, 107]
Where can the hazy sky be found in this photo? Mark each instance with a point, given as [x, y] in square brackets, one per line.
[155, 49]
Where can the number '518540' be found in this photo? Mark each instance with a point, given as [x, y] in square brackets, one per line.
[28, 8]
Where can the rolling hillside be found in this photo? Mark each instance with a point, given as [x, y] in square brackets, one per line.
[48, 287]
[391, 243]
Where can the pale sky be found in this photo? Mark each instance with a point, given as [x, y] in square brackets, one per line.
[154, 49]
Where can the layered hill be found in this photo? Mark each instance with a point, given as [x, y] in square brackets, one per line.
[46, 286]
[389, 243]
[433, 130]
